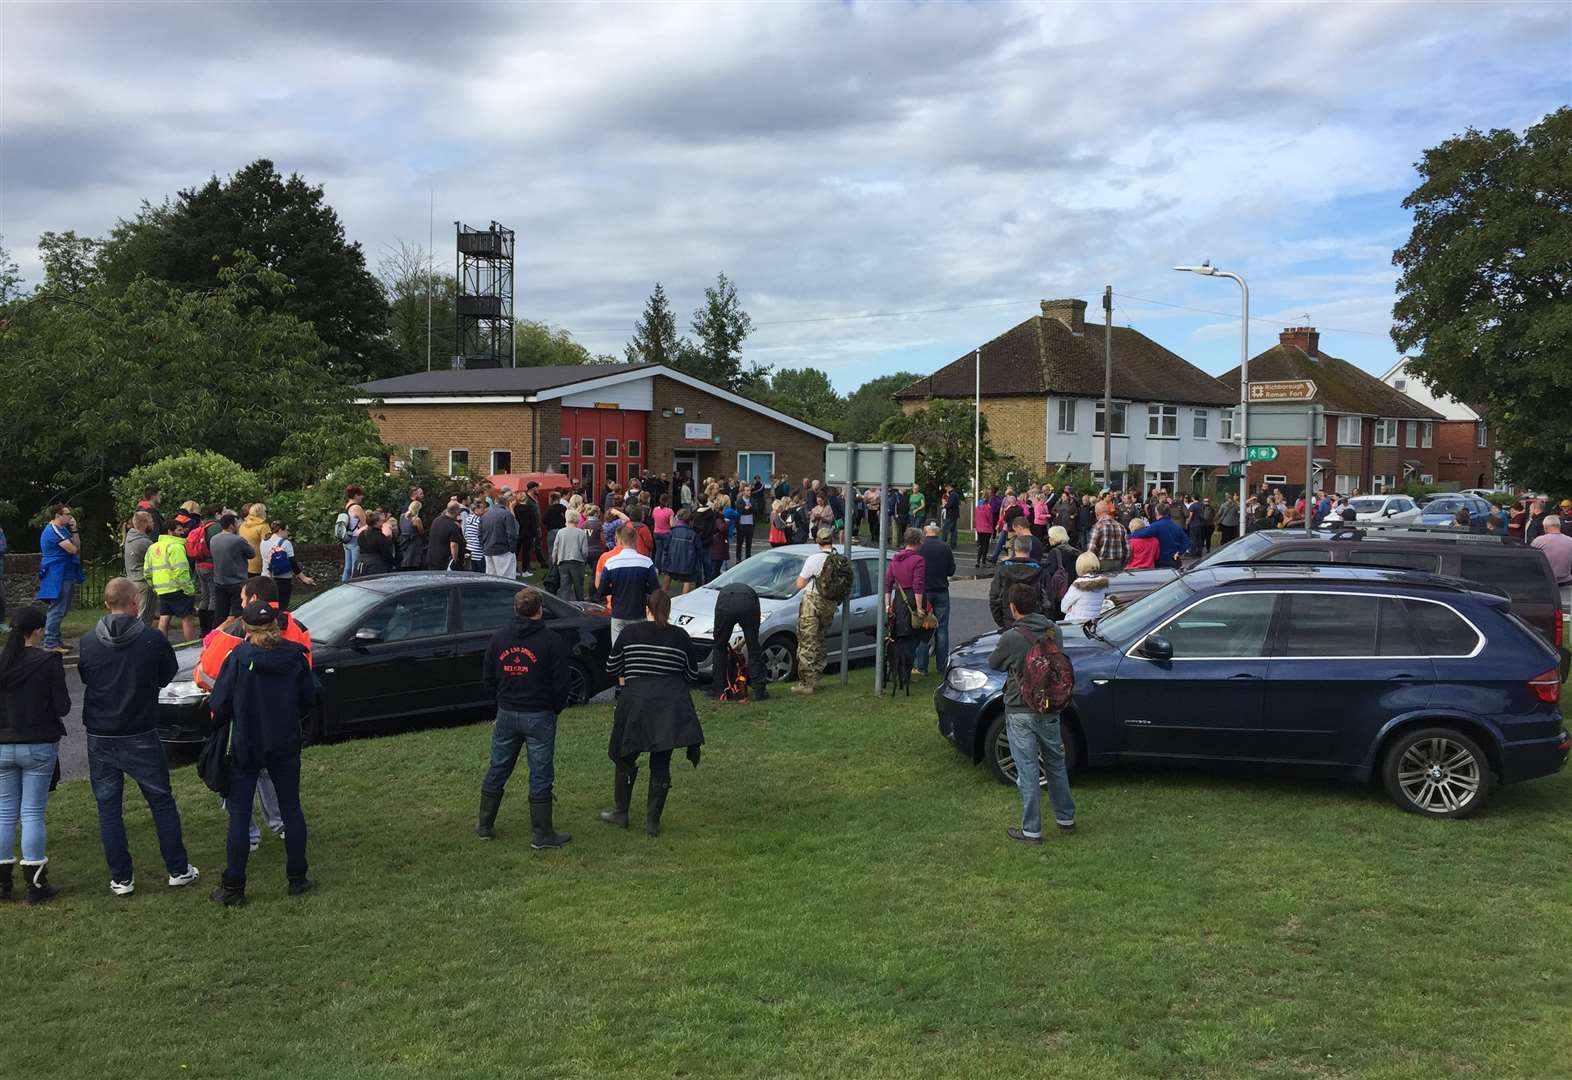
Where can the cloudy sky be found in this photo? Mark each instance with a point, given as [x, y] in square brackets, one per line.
[952, 163]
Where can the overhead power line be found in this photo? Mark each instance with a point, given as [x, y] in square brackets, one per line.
[1231, 316]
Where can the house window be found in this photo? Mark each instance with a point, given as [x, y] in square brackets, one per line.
[458, 462]
[1162, 421]
[1411, 434]
[1380, 485]
[635, 449]
[1199, 422]
[611, 472]
[755, 463]
[1274, 479]
[420, 458]
[586, 448]
[1400, 384]
[1225, 425]
[611, 447]
[1346, 485]
[567, 447]
[1066, 415]
[1427, 434]
[501, 462]
[1426, 478]
[1481, 436]
[1117, 427]
[1164, 480]
[1348, 432]
[1386, 432]
[1320, 429]
[587, 475]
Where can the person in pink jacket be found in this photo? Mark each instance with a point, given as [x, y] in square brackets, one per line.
[982, 525]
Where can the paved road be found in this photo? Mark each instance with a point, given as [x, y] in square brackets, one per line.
[968, 618]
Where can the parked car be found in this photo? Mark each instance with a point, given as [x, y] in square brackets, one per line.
[1441, 509]
[1433, 687]
[401, 646]
[1501, 563]
[1482, 493]
[1385, 510]
[773, 575]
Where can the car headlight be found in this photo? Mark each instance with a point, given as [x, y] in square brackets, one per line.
[181, 693]
[966, 679]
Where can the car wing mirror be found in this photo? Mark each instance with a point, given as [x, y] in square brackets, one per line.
[1158, 648]
[368, 635]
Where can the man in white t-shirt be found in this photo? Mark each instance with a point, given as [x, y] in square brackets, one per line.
[814, 616]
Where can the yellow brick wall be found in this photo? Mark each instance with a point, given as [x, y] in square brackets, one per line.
[1017, 426]
[478, 428]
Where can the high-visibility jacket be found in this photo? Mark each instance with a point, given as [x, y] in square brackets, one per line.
[166, 567]
[227, 638]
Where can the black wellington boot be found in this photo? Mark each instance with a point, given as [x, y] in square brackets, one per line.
[485, 824]
[229, 895]
[6, 871]
[621, 796]
[655, 806]
[545, 834]
[39, 891]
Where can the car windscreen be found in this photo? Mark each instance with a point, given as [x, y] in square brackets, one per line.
[773, 575]
[331, 615]
[1136, 616]
[1247, 548]
[1367, 505]
[1444, 506]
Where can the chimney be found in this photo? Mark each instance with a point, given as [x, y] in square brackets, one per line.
[1070, 312]
[1304, 338]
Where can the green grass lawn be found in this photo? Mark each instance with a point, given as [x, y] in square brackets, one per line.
[833, 896]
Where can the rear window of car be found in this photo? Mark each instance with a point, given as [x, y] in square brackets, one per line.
[1328, 624]
[1519, 579]
[1400, 560]
[1446, 633]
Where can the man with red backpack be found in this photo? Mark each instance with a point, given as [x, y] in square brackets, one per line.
[1036, 690]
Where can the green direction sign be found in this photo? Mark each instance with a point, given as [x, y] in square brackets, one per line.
[1260, 453]
[1236, 469]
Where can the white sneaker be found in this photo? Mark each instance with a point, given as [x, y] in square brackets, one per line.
[256, 844]
[122, 888]
[191, 874]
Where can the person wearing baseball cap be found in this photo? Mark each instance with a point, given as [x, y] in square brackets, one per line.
[817, 610]
[262, 690]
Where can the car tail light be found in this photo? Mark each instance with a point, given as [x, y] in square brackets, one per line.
[1565, 743]
[1561, 629]
[1547, 687]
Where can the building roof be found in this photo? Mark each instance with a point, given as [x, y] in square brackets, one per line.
[470, 381]
[1418, 389]
[1042, 356]
[1340, 387]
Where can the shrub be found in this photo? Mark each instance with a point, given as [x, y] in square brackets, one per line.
[204, 476]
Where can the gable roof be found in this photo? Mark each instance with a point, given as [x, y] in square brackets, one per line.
[1041, 356]
[469, 381]
[1340, 387]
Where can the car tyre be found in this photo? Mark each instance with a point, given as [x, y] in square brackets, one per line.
[311, 726]
[996, 751]
[780, 658]
[579, 684]
[1437, 772]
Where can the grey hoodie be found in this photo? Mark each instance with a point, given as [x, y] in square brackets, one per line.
[136, 545]
[1009, 654]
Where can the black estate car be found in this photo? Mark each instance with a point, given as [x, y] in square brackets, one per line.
[1433, 686]
[402, 646]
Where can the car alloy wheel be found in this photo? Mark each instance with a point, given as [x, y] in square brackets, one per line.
[578, 685]
[1003, 763]
[1438, 772]
[780, 660]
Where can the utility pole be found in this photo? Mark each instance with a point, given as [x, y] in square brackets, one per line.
[977, 431]
[431, 271]
[1108, 387]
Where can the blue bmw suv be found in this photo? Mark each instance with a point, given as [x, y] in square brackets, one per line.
[1432, 686]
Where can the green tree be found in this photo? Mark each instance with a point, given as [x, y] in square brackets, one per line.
[11, 285]
[806, 393]
[70, 261]
[868, 406]
[287, 225]
[203, 475]
[407, 277]
[1485, 298]
[942, 431]
[655, 334]
[720, 327]
[541, 345]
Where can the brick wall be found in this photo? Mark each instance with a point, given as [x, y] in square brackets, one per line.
[1460, 460]
[1017, 426]
[478, 428]
[1364, 461]
[797, 453]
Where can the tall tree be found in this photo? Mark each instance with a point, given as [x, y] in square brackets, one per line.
[542, 345]
[407, 276]
[1485, 298]
[11, 287]
[655, 334]
[871, 404]
[806, 393]
[720, 327]
[943, 433]
[287, 225]
[70, 261]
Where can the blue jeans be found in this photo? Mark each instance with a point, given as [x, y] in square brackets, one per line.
[25, 772]
[1000, 538]
[533, 732]
[939, 640]
[55, 614]
[351, 556]
[285, 774]
[110, 759]
[1030, 733]
[949, 532]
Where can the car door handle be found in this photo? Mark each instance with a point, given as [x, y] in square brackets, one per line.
[1404, 677]
[1244, 675]
[438, 654]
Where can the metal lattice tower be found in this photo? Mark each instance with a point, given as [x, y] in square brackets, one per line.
[484, 334]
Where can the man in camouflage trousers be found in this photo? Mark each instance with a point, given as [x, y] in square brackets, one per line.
[814, 617]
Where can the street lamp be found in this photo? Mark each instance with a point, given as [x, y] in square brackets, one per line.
[1206, 269]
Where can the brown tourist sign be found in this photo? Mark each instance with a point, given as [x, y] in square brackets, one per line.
[1288, 390]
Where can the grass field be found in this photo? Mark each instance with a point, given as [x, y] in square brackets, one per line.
[833, 896]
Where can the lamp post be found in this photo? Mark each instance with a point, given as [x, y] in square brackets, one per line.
[1206, 269]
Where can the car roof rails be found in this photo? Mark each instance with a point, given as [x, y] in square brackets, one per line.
[1451, 532]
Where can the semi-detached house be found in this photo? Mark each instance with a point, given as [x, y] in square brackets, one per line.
[1042, 394]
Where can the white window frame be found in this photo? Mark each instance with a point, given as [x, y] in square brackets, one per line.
[1411, 434]
[1345, 484]
[1350, 431]
[496, 471]
[1277, 479]
[414, 456]
[1383, 484]
[1400, 385]
[1162, 421]
[1385, 433]
[1121, 412]
[453, 471]
[1156, 478]
[1225, 425]
[1064, 416]
[1320, 429]
[1427, 434]
[1481, 436]
[1200, 423]
[746, 476]
[1426, 478]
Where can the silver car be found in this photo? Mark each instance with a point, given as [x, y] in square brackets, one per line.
[773, 575]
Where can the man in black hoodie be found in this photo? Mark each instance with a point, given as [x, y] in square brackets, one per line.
[526, 673]
[1017, 568]
[124, 664]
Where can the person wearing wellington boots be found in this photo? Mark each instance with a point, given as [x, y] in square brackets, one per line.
[655, 715]
[526, 674]
[33, 698]
[262, 691]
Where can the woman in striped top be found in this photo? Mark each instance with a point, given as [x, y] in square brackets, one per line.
[469, 522]
[655, 663]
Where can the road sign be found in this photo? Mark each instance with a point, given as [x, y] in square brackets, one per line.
[1236, 469]
[1260, 453]
[1287, 390]
[1282, 423]
[867, 466]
